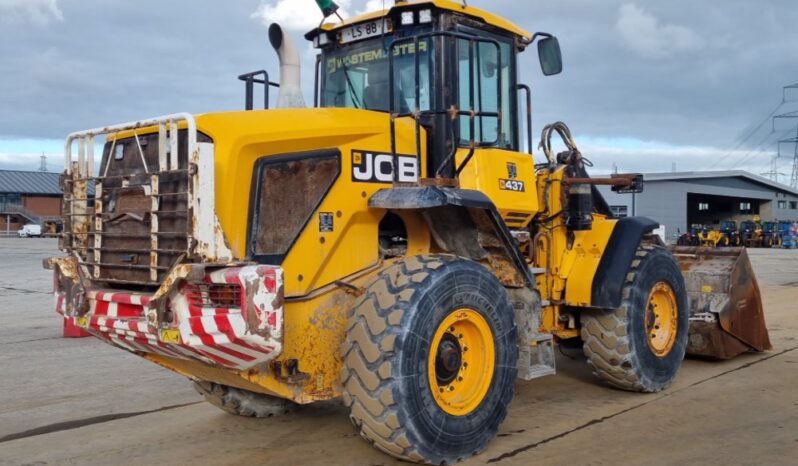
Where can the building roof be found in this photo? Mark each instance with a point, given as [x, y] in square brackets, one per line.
[28, 182]
[686, 176]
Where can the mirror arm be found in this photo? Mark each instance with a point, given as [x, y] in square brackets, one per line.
[538, 35]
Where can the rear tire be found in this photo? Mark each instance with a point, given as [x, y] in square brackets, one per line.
[640, 346]
[243, 402]
[406, 359]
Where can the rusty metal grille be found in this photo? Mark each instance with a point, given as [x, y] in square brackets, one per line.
[136, 223]
[288, 190]
[217, 295]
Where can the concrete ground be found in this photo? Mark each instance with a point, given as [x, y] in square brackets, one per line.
[80, 401]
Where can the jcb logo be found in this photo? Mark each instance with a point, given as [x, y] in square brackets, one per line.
[512, 170]
[378, 168]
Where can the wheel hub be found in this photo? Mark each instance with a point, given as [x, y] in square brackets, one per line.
[661, 319]
[449, 359]
[462, 359]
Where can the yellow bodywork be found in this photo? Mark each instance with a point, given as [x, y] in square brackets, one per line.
[569, 264]
[316, 310]
[488, 172]
[326, 271]
[317, 306]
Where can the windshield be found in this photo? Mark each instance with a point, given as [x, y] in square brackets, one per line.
[358, 75]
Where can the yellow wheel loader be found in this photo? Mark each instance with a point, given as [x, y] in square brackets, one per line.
[393, 246]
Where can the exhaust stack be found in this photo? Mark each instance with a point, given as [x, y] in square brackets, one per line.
[290, 95]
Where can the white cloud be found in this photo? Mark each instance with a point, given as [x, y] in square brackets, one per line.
[297, 15]
[642, 32]
[40, 12]
[375, 5]
[304, 15]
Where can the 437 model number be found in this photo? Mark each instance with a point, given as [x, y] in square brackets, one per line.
[511, 185]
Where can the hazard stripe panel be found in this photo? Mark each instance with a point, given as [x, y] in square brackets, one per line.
[229, 319]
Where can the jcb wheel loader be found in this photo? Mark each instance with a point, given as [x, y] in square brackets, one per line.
[392, 246]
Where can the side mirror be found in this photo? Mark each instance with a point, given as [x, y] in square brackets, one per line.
[550, 56]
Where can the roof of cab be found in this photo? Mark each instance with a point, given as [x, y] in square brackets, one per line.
[486, 16]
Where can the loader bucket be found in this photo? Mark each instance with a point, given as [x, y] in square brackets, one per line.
[726, 315]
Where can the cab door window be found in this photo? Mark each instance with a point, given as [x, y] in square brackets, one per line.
[483, 71]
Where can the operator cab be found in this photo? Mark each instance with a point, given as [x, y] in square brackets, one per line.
[451, 67]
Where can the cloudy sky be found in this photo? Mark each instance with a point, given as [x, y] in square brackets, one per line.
[647, 84]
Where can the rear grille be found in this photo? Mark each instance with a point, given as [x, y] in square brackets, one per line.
[215, 295]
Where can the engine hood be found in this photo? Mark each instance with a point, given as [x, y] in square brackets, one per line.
[241, 138]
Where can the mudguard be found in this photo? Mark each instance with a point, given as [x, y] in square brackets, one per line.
[463, 222]
[616, 259]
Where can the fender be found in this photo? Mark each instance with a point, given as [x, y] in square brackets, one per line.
[463, 222]
[621, 248]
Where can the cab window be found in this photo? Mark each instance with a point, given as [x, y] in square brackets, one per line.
[483, 72]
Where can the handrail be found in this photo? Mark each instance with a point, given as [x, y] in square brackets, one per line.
[250, 79]
[528, 90]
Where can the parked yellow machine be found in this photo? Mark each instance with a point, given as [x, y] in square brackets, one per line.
[392, 246]
[713, 238]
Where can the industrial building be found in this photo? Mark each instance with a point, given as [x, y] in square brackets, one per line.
[680, 199]
[29, 197]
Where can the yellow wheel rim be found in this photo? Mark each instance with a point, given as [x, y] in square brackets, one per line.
[461, 362]
[661, 319]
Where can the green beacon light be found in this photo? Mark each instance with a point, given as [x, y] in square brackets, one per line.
[328, 7]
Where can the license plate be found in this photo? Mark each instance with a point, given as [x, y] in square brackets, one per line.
[365, 31]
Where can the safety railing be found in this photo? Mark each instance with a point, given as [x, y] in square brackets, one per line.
[256, 77]
[189, 173]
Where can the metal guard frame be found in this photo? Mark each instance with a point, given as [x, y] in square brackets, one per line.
[205, 235]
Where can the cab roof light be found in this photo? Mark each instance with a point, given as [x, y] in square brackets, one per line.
[425, 16]
[408, 18]
[321, 40]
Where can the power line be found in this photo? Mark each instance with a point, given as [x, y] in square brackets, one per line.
[755, 150]
[786, 91]
[745, 139]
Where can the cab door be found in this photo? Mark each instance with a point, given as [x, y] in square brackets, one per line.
[486, 131]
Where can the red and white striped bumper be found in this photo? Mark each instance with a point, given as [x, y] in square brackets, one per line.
[231, 317]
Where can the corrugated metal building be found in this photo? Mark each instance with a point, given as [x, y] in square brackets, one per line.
[28, 197]
[678, 200]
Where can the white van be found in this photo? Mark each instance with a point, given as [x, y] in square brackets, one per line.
[30, 230]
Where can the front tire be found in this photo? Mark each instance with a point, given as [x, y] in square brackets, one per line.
[430, 359]
[640, 346]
